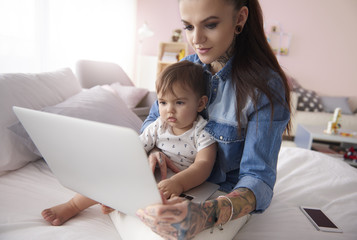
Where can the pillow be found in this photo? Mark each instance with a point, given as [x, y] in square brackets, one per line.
[292, 82]
[352, 102]
[294, 100]
[308, 100]
[331, 103]
[95, 104]
[131, 95]
[92, 73]
[33, 91]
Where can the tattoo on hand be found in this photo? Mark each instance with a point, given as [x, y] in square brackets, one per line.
[199, 217]
[175, 212]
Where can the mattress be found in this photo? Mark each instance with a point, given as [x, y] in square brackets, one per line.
[304, 178]
[312, 179]
[24, 193]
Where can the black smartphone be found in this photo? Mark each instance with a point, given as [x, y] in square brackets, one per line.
[320, 220]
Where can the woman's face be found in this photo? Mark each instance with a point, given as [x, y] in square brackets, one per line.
[210, 27]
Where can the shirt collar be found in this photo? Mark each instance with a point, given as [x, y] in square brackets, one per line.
[224, 73]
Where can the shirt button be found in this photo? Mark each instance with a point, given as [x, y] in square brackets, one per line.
[220, 137]
[215, 89]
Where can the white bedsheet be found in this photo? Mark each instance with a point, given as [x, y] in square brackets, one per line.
[304, 178]
[24, 193]
[312, 179]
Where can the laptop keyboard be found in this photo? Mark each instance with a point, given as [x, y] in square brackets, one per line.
[188, 197]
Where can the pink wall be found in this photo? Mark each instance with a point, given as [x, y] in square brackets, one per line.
[323, 53]
[162, 17]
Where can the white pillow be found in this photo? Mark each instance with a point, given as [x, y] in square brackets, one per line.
[95, 104]
[131, 95]
[33, 91]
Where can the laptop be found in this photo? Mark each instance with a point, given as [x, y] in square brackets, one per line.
[104, 162]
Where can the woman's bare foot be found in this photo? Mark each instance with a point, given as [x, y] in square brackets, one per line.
[60, 214]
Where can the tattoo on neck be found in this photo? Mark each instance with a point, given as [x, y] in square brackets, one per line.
[222, 60]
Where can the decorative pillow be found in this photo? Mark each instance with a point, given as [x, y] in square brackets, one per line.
[33, 91]
[308, 100]
[331, 103]
[131, 95]
[95, 104]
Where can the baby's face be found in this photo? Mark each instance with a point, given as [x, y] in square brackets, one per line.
[179, 109]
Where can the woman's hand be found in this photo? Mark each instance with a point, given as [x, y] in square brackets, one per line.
[156, 157]
[170, 188]
[178, 218]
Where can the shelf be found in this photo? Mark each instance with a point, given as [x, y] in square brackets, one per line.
[168, 52]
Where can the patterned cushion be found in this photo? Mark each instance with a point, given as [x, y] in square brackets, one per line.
[308, 100]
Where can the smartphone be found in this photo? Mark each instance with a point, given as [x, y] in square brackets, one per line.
[320, 220]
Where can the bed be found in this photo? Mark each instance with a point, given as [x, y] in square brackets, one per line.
[27, 185]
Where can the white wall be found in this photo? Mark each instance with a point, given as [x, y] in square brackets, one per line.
[43, 35]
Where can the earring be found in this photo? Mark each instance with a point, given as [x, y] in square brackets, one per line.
[238, 29]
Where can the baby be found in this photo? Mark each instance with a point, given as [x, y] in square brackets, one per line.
[177, 139]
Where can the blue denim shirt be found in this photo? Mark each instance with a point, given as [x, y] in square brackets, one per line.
[249, 159]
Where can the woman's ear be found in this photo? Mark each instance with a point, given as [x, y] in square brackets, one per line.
[242, 16]
[202, 102]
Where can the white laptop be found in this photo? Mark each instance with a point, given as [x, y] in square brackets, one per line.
[101, 161]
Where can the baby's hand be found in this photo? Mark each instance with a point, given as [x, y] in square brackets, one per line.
[170, 188]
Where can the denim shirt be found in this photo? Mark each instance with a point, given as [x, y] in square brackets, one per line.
[247, 159]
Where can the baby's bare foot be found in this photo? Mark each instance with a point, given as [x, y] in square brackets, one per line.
[106, 209]
[60, 214]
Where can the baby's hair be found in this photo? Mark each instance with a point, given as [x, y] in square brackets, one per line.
[188, 74]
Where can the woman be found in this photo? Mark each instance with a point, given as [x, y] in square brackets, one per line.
[248, 111]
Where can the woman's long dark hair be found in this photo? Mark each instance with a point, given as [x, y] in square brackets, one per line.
[254, 59]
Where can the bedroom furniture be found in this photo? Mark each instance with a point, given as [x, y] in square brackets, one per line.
[278, 40]
[305, 135]
[92, 73]
[27, 186]
[322, 117]
[168, 52]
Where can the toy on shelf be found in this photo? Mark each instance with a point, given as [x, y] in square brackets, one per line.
[351, 154]
[181, 54]
[334, 125]
[176, 35]
[278, 40]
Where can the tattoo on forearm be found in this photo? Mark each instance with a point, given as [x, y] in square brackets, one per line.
[205, 215]
[243, 202]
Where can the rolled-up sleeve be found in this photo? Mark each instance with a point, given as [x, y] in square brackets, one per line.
[261, 149]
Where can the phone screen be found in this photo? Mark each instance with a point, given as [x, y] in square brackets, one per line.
[320, 218]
